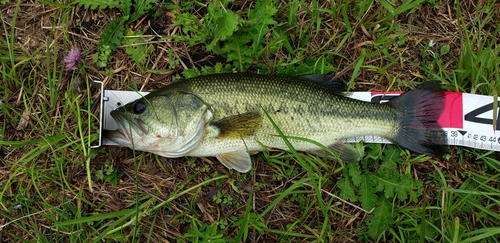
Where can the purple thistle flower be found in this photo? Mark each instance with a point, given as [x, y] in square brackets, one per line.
[72, 58]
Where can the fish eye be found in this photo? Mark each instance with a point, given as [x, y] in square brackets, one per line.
[139, 107]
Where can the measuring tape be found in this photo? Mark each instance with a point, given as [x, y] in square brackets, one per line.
[467, 119]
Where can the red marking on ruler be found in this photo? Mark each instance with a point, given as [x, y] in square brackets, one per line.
[452, 116]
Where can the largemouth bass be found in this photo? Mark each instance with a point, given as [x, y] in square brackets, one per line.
[224, 115]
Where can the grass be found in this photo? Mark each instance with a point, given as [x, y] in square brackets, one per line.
[55, 188]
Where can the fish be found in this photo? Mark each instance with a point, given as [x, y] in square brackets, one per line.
[225, 116]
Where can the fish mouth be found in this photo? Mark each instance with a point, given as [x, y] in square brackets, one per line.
[127, 128]
[117, 136]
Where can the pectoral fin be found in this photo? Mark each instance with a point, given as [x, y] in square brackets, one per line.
[237, 160]
[346, 152]
[239, 126]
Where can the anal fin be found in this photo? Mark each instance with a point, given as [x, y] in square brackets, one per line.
[346, 152]
[237, 160]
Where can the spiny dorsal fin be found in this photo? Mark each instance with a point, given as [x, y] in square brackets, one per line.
[237, 160]
[239, 126]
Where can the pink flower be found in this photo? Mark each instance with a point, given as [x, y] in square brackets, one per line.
[72, 58]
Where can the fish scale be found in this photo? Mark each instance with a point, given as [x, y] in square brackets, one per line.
[224, 116]
[312, 106]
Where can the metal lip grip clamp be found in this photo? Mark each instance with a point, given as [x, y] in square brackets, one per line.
[109, 101]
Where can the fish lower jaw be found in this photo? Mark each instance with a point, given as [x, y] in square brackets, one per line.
[117, 136]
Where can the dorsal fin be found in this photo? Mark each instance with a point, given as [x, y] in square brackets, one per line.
[327, 81]
[239, 126]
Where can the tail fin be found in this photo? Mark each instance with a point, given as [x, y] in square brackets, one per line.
[418, 113]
